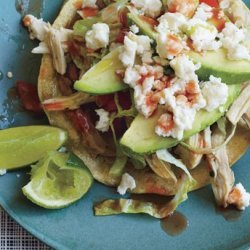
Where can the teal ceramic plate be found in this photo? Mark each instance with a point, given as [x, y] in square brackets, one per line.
[76, 227]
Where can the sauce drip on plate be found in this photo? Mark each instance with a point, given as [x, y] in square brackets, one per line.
[174, 224]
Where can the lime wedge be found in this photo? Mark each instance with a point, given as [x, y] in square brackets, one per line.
[22, 146]
[55, 184]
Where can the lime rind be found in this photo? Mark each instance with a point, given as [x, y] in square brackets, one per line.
[56, 185]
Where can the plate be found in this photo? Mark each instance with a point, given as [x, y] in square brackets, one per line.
[76, 227]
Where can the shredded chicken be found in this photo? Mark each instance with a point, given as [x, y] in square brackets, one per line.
[240, 106]
[161, 168]
[71, 102]
[57, 52]
[190, 158]
[223, 179]
[246, 118]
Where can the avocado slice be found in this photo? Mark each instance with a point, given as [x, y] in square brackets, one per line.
[212, 62]
[141, 138]
[102, 78]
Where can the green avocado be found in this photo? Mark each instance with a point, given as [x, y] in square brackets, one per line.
[212, 62]
[141, 138]
[102, 78]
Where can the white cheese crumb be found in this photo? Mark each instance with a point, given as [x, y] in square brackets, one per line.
[173, 22]
[127, 182]
[232, 38]
[128, 52]
[203, 35]
[134, 28]
[103, 123]
[184, 68]
[89, 3]
[98, 36]
[215, 92]
[131, 76]
[239, 197]
[9, 74]
[136, 44]
[151, 8]
[169, 45]
[203, 12]
[3, 171]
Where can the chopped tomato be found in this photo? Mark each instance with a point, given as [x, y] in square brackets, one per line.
[149, 20]
[80, 120]
[121, 35]
[107, 102]
[89, 12]
[119, 126]
[123, 17]
[218, 20]
[29, 96]
[72, 72]
[73, 48]
[124, 100]
[212, 3]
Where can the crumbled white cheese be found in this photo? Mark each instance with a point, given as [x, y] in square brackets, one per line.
[128, 52]
[203, 35]
[98, 36]
[183, 118]
[232, 39]
[232, 32]
[134, 28]
[169, 45]
[103, 123]
[37, 27]
[173, 22]
[236, 51]
[215, 92]
[89, 3]
[203, 12]
[184, 68]
[3, 171]
[127, 182]
[143, 43]
[141, 104]
[131, 76]
[136, 44]
[9, 74]
[151, 8]
[239, 197]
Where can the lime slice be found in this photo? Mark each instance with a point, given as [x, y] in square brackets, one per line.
[55, 184]
[22, 146]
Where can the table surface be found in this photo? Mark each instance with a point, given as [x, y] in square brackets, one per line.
[14, 237]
